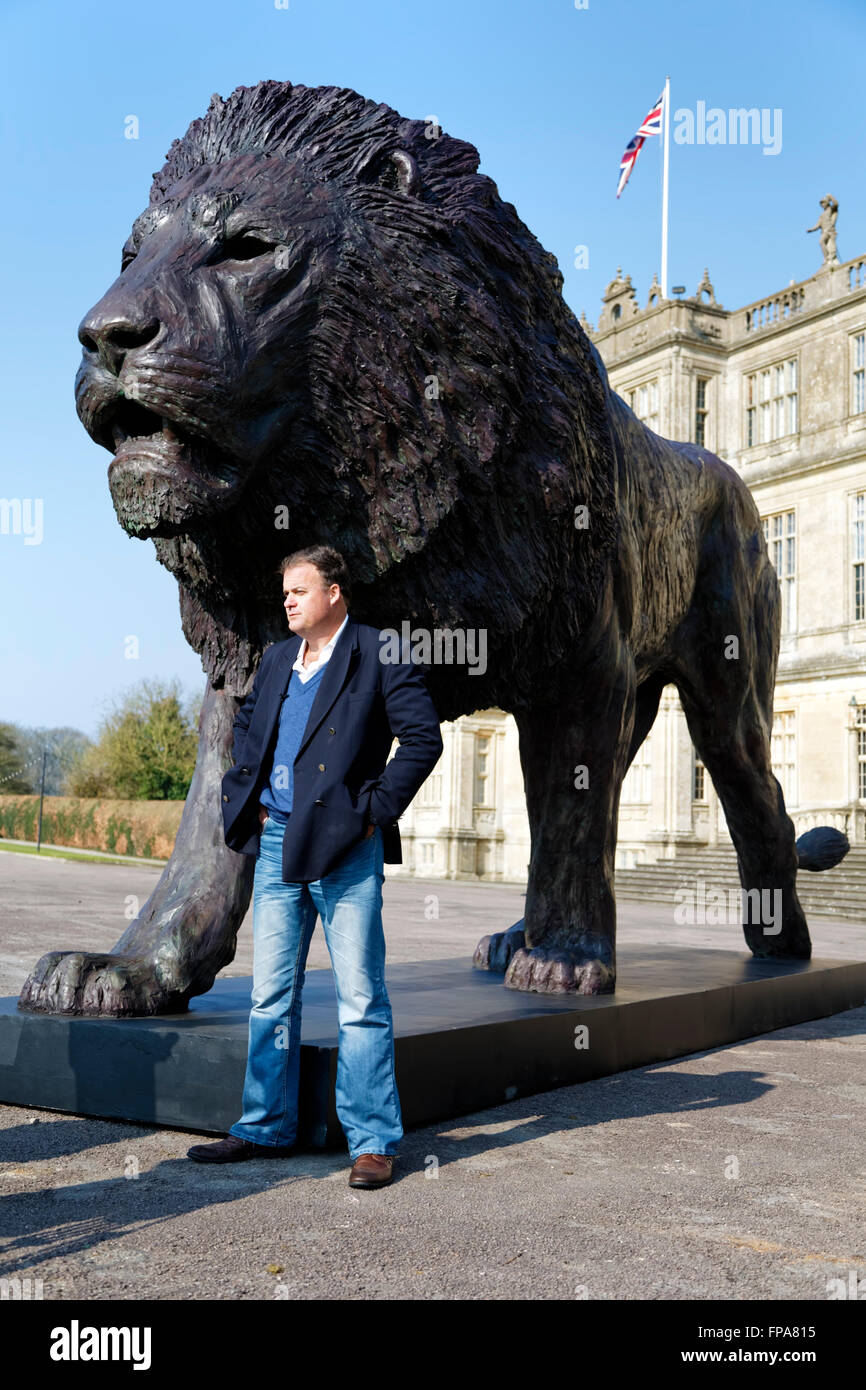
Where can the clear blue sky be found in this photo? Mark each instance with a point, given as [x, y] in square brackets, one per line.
[548, 93]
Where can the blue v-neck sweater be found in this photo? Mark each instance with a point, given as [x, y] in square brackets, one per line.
[294, 713]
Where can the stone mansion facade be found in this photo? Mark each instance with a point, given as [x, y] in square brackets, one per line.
[778, 390]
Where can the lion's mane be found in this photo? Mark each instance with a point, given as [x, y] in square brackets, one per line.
[452, 510]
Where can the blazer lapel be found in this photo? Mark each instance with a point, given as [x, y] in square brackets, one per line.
[277, 686]
[333, 680]
[279, 682]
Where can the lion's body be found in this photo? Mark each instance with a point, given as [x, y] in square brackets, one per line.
[330, 328]
[670, 497]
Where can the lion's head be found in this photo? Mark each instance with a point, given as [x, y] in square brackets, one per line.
[328, 327]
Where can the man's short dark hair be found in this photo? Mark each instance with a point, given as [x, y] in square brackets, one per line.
[329, 562]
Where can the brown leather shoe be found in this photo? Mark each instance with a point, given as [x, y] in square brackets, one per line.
[233, 1149]
[372, 1170]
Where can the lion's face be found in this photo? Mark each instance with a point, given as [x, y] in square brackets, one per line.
[326, 312]
[278, 342]
[195, 360]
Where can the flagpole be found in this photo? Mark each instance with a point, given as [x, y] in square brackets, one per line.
[665, 165]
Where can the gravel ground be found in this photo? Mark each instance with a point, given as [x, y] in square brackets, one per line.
[738, 1173]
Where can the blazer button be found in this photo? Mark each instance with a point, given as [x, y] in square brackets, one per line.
[225, 798]
[318, 801]
[246, 770]
[321, 767]
[332, 731]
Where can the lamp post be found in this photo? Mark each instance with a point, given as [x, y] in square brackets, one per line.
[41, 799]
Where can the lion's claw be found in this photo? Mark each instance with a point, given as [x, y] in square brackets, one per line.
[545, 970]
[76, 982]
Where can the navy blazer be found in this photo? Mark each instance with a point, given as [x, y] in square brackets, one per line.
[341, 781]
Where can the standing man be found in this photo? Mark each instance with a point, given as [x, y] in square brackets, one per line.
[311, 797]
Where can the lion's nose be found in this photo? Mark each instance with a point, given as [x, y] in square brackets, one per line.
[113, 335]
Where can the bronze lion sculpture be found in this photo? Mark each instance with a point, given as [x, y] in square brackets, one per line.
[329, 327]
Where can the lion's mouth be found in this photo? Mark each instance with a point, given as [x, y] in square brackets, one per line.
[137, 430]
[142, 439]
[162, 477]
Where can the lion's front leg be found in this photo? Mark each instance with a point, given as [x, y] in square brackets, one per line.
[574, 756]
[187, 930]
[570, 916]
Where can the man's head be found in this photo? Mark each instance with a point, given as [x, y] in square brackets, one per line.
[316, 591]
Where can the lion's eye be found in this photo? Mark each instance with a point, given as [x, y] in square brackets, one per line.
[243, 247]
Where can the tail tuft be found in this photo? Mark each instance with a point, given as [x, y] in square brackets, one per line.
[821, 848]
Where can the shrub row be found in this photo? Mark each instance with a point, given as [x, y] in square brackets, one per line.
[143, 828]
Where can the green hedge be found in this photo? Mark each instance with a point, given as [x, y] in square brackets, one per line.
[146, 829]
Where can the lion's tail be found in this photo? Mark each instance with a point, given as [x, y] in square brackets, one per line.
[821, 848]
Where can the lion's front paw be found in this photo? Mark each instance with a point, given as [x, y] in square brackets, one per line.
[76, 982]
[544, 970]
[495, 952]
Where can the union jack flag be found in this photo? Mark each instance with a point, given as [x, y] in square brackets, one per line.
[651, 125]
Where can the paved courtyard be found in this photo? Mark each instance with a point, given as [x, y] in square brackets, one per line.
[734, 1173]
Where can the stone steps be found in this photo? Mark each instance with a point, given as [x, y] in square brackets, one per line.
[838, 892]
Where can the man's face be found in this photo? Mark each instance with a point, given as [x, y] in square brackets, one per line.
[311, 607]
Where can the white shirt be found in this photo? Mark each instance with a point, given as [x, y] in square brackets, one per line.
[305, 672]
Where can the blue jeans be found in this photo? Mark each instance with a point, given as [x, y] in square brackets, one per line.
[349, 902]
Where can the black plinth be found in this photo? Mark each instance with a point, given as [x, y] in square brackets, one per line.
[463, 1041]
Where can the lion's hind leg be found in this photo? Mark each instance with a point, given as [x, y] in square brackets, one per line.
[726, 665]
